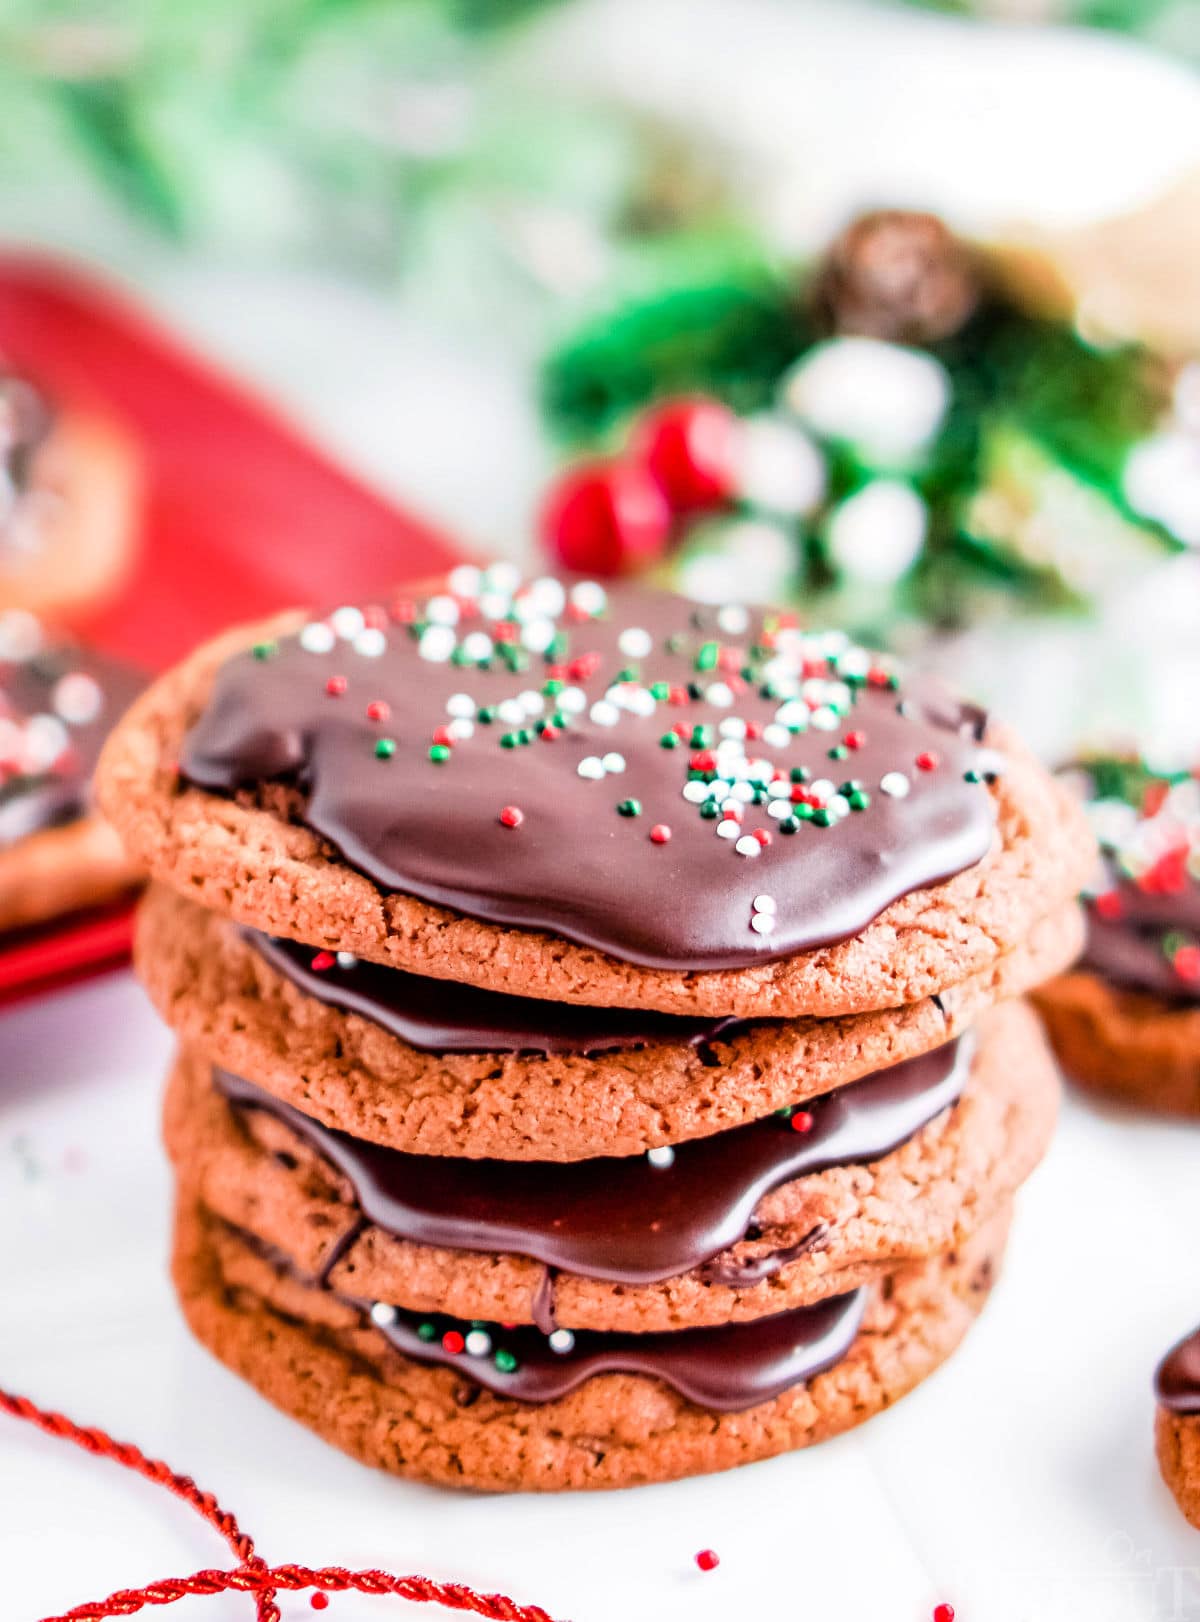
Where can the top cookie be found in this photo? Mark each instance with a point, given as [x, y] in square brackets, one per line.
[624, 800]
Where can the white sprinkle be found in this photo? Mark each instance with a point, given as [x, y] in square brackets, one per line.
[895, 784]
[347, 622]
[493, 605]
[548, 596]
[44, 741]
[732, 808]
[20, 635]
[461, 705]
[635, 643]
[825, 718]
[641, 701]
[695, 791]
[384, 1314]
[478, 646]
[78, 698]
[747, 845]
[372, 642]
[743, 791]
[612, 762]
[854, 662]
[460, 730]
[779, 788]
[537, 635]
[317, 637]
[511, 710]
[465, 580]
[605, 714]
[720, 694]
[729, 830]
[764, 903]
[589, 596]
[561, 1341]
[437, 644]
[478, 1343]
[838, 806]
[733, 619]
[441, 611]
[732, 727]
[347, 960]
[762, 923]
[776, 735]
[503, 577]
[571, 700]
[779, 809]
[793, 714]
[822, 789]
[591, 766]
[532, 703]
[660, 1159]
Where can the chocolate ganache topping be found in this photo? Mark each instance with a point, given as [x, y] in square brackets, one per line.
[446, 1016]
[1143, 910]
[1177, 1379]
[683, 787]
[57, 706]
[633, 1220]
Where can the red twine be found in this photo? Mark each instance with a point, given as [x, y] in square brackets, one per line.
[252, 1575]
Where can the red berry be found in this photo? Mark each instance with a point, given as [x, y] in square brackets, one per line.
[708, 1559]
[335, 686]
[660, 834]
[690, 447]
[378, 710]
[943, 1613]
[452, 1342]
[802, 1121]
[927, 761]
[322, 961]
[512, 816]
[605, 518]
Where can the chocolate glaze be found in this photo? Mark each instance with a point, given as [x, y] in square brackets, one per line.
[1177, 1379]
[1128, 950]
[623, 1219]
[444, 1016]
[47, 799]
[574, 866]
[741, 1273]
[725, 1370]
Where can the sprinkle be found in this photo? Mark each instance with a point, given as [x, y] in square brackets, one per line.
[591, 766]
[613, 762]
[764, 903]
[532, 703]
[635, 643]
[436, 645]
[802, 1121]
[762, 923]
[1186, 962]
[708, 1559]
[385, 748]
[265, 650]
[371, 643]
[77, 698]
[855, 740]
[378, 710]
[512, 816]
[478, 1343]
[721, 694]
[926, 761]
[629, 808]
[660, 834]
[347, 960]
[460, 731]
[590, 597]
[561, 1341]
[384, 1315]
[477, 646]
[706, 658]
[439, 753]
[605, 714]
[347, 622]
[895, 784]
[441, 610]
[335, 686]
[322, 961]
[661, 1158]
[505, 1361]
[748, 845]
[461, 706]
[733, 619]
[788, 825]
[728, 829]
[695, 791]
[465, 580]
[943, 1613]
[426, 1331]
[452, 1342]
[319, 1601]
[317, 637]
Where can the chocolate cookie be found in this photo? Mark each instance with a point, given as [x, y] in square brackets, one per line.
[57, 705]
[1126, 1023]
[895, 1167]
[635, 803]
[425, 1411]
[1177, 1424]
[512, 1077]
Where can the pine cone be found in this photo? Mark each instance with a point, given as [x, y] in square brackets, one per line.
[895, 275]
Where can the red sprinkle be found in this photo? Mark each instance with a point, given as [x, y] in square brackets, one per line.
[703, 761]
[404, 611]
[753, 731]
[584, 666]
[802, 1121]
[708, 1559]
[335, 686]
[927, 761]
[854, 740]
[322, 961]
[452, 1341]
[375, 615]
[678, 695]
[1186, 962]
[762, 836]
[660, 834]
[943, 1613]
[512, 816]
[1110, 905]
[444, 736]
[799, 794]
[319, 1601]
[548, 734]
[378, 710]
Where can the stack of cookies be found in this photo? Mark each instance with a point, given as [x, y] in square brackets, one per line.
[598, 1056]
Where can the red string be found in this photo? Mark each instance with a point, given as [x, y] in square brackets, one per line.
[252, 1575]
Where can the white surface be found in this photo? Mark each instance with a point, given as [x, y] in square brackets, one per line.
[1018, 1483]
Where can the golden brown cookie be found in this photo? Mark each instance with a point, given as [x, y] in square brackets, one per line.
[1177, 1423]
[1123, 1044]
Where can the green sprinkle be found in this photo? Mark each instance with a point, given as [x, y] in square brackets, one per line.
[385, 748]
[709, 809]
[838, 752]
[505, 1361]
[558, 719]
[265, 650]
[669, 740]
[630, 673]
[788, 825]
[556, 652]
[972, 776]
[822, 817]
[660, 690]
[524, 735]
[706, 659]
[675, 644]
[486, 713]
[630, 808]
[509, 740]
[1174, 942]
[552, 687]
[701, 737]
[799, 774]
[804, 812]
[859, 799]
[426, 1331]
[439, 753]
[460, 656]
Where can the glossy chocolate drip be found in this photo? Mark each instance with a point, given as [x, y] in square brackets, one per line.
[1177, 1379]
[444, 1016]
[626, 1220]
[726, 1370]
[574, 866]
[1128, 950]
[32, 800]
[742, 1274]
[542, 1310]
